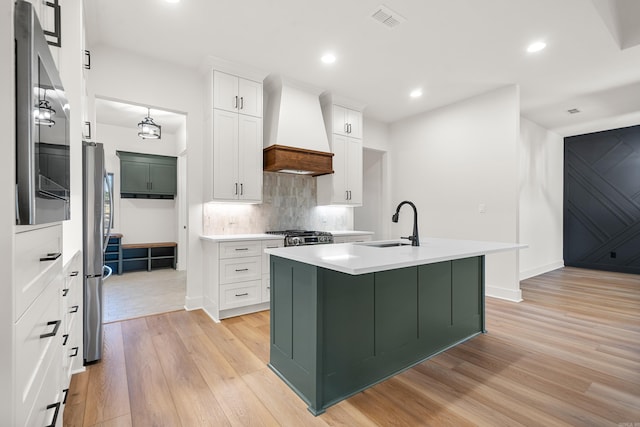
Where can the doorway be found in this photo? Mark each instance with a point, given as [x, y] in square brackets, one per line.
[371, 215]
[136, 292]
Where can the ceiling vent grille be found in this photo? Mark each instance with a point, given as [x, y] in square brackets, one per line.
[387, 17]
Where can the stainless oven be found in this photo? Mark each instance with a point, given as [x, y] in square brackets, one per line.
[42, 126]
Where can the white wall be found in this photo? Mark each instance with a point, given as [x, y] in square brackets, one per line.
[7, 209]
[70, 67]
[376, 211]
[139, 220]
[450, 161]
[118, 74]
[541, 199]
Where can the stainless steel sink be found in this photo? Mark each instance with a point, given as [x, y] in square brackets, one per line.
[384, 244]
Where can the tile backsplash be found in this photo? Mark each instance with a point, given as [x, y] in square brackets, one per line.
[288, 202]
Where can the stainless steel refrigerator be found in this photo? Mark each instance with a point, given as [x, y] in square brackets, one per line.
[96, 224]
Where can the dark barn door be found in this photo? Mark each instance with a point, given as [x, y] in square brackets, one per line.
[602, 200]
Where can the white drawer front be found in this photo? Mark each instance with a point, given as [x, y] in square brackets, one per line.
[240, 249]
[33, 353]
[48, 397]
[32, 274]
[268, 244]
[239, 295]
[362, 238]
[236, 270]
[266, 288]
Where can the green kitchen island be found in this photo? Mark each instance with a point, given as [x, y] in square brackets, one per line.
[347, 316]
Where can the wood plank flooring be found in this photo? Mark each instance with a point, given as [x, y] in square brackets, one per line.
[569, 355]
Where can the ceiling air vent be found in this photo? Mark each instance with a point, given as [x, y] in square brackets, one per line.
[387, 17]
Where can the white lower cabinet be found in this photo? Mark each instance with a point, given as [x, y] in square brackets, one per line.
[353, 238]
[237, 276]
[45, 306]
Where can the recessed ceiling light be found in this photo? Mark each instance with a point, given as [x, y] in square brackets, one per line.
[416, 93]
[536, 47]
[328, 58]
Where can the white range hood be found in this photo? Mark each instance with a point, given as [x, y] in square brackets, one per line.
[295, 137]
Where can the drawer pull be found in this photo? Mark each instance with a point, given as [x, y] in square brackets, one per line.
[66, 337]
[242, 269]
[66, 392]
[65, 291]
[242, 295]
[73, 274]
[55, 414]
[74, 309]
[75, 352]
[51, 256]
[242, 249]
[272, 247]
[54, 332]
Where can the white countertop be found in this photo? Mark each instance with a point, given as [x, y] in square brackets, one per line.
[240, 237]
[361, 258]
[350, 233]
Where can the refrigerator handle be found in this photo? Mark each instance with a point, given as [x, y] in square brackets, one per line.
[110, 192]
[108, 271]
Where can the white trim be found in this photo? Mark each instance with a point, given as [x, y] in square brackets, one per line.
[541, 270]
[514, 295]
[192, 303]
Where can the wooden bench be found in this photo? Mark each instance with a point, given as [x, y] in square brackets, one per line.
[148, 256]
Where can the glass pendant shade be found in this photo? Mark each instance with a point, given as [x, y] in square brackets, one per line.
[147, 129]
[44, 113]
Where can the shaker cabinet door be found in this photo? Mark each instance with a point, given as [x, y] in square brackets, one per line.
[225, 155]
[225, 91]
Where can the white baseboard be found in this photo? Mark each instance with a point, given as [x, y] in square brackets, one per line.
[541, 270]
[514, 295]
[191, 303]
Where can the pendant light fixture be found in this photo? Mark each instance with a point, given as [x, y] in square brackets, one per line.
[44, 113]
[147, 129]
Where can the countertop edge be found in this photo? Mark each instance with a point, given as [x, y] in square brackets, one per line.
[239, 237]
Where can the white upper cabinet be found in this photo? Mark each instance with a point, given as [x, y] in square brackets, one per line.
[237, 139]
[344, 129]
[233, 93]
[347, 122]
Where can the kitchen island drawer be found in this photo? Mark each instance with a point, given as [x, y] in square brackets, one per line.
[240, 294]
[37, 256]
[236, 270]
[240, 249]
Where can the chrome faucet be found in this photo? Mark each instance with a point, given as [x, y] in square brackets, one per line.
[415, 240]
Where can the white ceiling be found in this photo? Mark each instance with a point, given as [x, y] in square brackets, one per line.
[127, 115]
[452, 49]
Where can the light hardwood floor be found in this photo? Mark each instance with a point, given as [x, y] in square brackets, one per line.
[569, 355]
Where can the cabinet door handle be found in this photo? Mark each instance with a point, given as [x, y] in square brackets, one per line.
[55, 329]
[73, 274]
[235, 104]
[66, 337]
[346, 128]
[74, 309]
[242, 102]
[346, 195]
[75, 352]
[87, 62]
[241, 189]
[242, 295]
[236, 193]
[65, 292]
[242, 269]
[55, 414]
[51, 256]
[242, 249]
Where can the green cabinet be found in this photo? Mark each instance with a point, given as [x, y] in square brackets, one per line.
[147, 175]
[335, 334]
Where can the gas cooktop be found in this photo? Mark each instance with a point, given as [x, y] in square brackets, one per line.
[304, 237]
